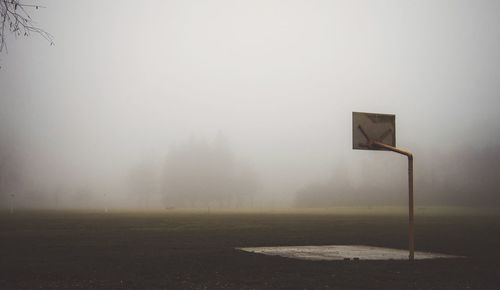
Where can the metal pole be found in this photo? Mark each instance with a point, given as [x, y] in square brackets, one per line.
[410, 206]
[411, 232]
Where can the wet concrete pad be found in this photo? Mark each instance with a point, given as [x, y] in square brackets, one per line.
[343, 252]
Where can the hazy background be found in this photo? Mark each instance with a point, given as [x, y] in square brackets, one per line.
[93, 120]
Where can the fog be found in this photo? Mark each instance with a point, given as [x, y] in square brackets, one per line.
[163, 104]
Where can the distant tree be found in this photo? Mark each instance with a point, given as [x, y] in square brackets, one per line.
[141, 182]
[340, 190]
[15, 18]
[200, 173]
[10, 179]
[82, 196]
[10, 168]
[246, 183]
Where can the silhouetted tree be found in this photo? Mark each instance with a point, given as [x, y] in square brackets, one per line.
[15, 18]
[202, 173]
[142, 181]
[82, 197]
[10, 168]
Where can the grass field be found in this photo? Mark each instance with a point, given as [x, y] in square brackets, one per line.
[194, 249]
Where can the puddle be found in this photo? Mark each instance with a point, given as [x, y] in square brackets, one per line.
[343, 252]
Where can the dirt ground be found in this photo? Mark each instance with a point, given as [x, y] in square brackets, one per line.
[195, 249]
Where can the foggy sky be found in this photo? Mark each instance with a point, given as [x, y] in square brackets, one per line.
[127, 80]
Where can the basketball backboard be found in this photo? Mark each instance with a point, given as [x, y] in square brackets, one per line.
[368, 127]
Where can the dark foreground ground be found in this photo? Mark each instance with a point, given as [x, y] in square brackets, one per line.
[195, 250]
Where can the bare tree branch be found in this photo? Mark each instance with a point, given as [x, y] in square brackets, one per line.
[15, 19]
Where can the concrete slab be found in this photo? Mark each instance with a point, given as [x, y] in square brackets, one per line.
[343, 252]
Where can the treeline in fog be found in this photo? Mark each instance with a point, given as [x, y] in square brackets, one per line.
[203, 173]
[468, 176]
[195, 173]
[207, 173]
